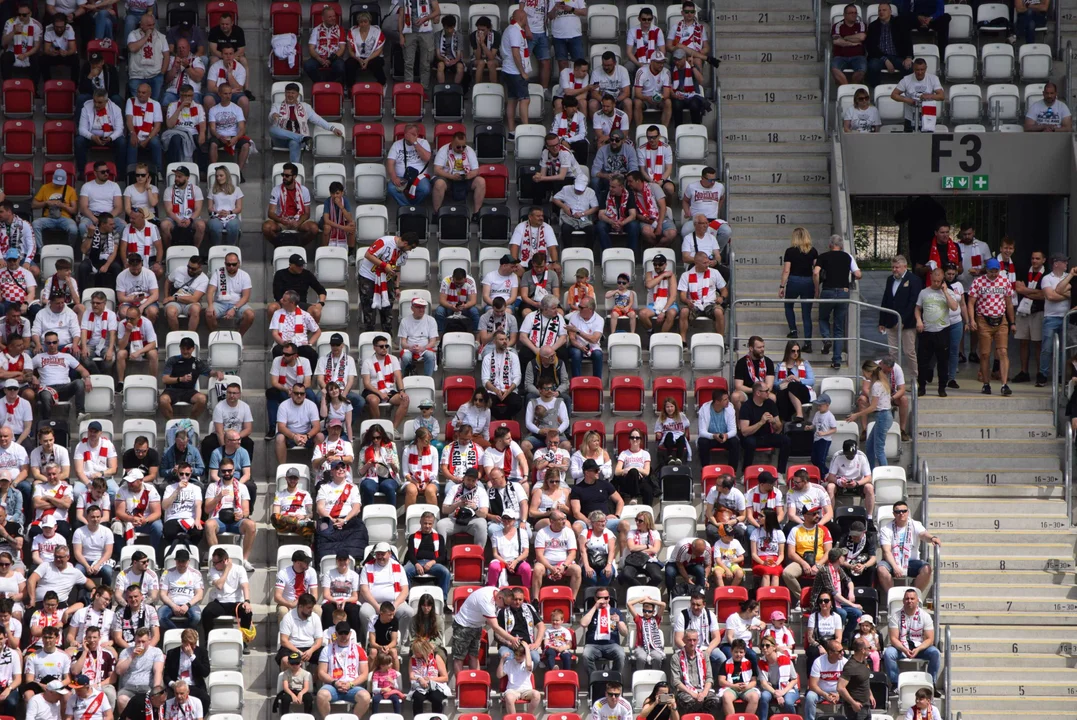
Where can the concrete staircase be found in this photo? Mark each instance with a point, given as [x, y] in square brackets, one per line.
[1007, 584]
[772, 126]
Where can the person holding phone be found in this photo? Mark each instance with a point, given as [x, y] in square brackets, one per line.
[660, 705]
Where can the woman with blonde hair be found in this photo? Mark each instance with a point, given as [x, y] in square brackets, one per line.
[878, 409]
[798, 281]
[591, 449]
[225, 206]
[551, 495]
[142, 193]
[642, 543]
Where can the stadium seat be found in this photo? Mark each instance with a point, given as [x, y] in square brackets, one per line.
[278, 168]
[443, 133]
[707, 351]
[216, 8]
[140, 394]
[890, 111]
[225, 649]
[18, 98]
[530, 141]
[997, 62]
[225, 350]
[52, 166]
[599, 49]
[456, 391]
[458, 351]
[325, 174]
[488, 102]
[225, 688]
[232, 168]
[467, 563]
[17, 179]
[711, 474]
[336, 309]
[624, 351]
[970, 128]
[326, 143]
[371, 222]
[450, 258]
[572, 259]
[173, 339]
[752, 473]
[490, 259]
[408, 102]
[327, 99]
[893, 440]
[813, 472]
[368, 100]
[632, 14]
[490, 141]
[960, 62]
[454, 225]
[622, 429]
[775, 597]
[988, 12]
[587, 395]
[616, 261]
[368, 141]
[627, 395]
[602, 22]
[1003, 103]
[413, 514]
[19, 139]
[285, 17]
[705, 387]
[281, 253]
[842, 394]
[419, 388]
[643, 681]
[668, 387]
[536, 111]
[559, 690]
[331, 265]
[666, 351]
[555, 597]
[380, 521]
[282, 482]
[109, 50]
[497, 183]
[889, 482]
[678, 522]
[1035, 62]
[473, 690]
[416, 271]
[845, 96]
[908, 684]
[960, 22]
[691, 143]
[370, 182]
[582, 427]
[846, 431]
[1031, 93]
[727, 600]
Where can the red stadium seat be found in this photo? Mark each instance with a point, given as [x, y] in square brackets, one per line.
[449, 434]
[526, 591]
[285, 17]
[740, 716]
[473, 690]
[772, 598]
[512, 425]
[519, 716]
[443, 133]
[106, 47]
[555, 597]
[560, 688]
[408, 102]
[668, 386]
[582, 427]
[328, 99]
[17, 179]
[698, 716]
[53, 165]
[460, 593]
[368, 100]
[626, 395]
[586, 395]
[497, 183]
[786, 716]
[813, 473]
[711, 473]
[281, 69]
[751, 474]
[368, 141]
[456, 391]
[60, 98]
[316, 12]
[60, 138]
[707, 385]
[476, 716]
[564, 716]
[18, 98]
[467, 562]
[215, 9]
[399, 128]
[87, 171]
[727, 600]
[18, 139]
[621, 431]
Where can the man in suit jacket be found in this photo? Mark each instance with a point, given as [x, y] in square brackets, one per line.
[889, 45]
[899, 294]
[198, 668]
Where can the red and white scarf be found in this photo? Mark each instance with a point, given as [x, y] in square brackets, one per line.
[648, 633]
[293, 118]
[566, 126]
[801, 371]
[683, 80]
[329, 39]
[101, 120]
[417, 539]
[389, 254]
[182, 204]
[953, 255]
[660, 296]
[144, 245]
[456, 294]
[364, 48]
[654, 159]
[760, 374]
[297, 333]
[138, 509]
[647, 207]
[338, 506]
[533, 242]
[700, 286]
[422, 9]
[644, 50]
[459, 461]
[291, 203]
[344, 662]
[458, 163]
[142, 118]
[422, 470]
[695, 39]
[698, 660]
[617, 207]
[60, 491]
[396, 575]
[603, 622]
[384, 376]
[23, 41]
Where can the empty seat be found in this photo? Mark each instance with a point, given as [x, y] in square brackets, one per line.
[1011, 127]
[327, 99]
[225, 350]
[960, 22]
[450, 258]
[1035, 62]
[602, 22]
[691, 142]
[19, 138]
[371, 222]
[17, 98]
[624, 351]
[842, 392]
[368, 141]
[370, 182]
[225, 689]
[707, 351]
[225, 648]
[488, 102]
[678, 522]
[890, 111]
[960, 62]
[997, 62]
[1003, 103]
[60, 98]
[408, 102]
[416, 271]
[140, 394]
[666, 351]
[966, 102]
[331, 265]
[458, 351]
[380, 521]
[969, 128]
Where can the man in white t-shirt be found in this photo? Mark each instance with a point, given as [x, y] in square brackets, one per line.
[502, 282]
[227, 71]
[148, 57]
[651, 89]
[705, 197]
[555, 555]
[585, 328]
[456, 168]
[516, 69]
[418, 335]
[54, 383]
[228, 504]
[850, 472]
[823, 678]
[916, 88]
[1049, 114]
[384, 580]
[912, 635]
[900, 542]
[702, 291]
[184, 289]
[300, 631]
[383, 382]
[228, 129]
[610, 78]
[92, 547]
[477, 612]
[137, 341]
[144, 119]
[182, 203]
[227, 296]
[410, 151]
[1057, 289]
[181, 594]
[137, 287]
[465, 509]
[101, 195]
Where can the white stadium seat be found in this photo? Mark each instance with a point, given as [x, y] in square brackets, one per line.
[960, 63]
[380, 521]
[842, 392]
[602, 22]
[101, 399]
[331, 265]
[624, 351]
[966, 103]
[371, 222]
[691, 142]
[225, 649]
[488, 102]
[458, 351]
[489, 10]
[140, 394]
[960, 22]
[572, 259]
[414, 513]
[370, 182]
[707, 351]
[996, 62]
[225, 350]
[416, 271]
[225, 689]
[970, 128]
[666, 351]
[336, 309]
[930, 53]
[1035, 62]
[616, 261]
[326, 143]
[1003, 103]
[450, 258]
[530, 140]
[890, 110]
[325, 174]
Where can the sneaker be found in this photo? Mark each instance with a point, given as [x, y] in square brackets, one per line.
[961, 358]
[247, 566]
[796, 609]
[836, 365]
[942, 391]
[792, 335]
[474, 217]
[512, 137]
[905, 437]
[270, 434]
[953, 385]
[921, 391]
[826, 346]
[119, 387]
[1021, 377]
[807, 348]
[1011, 39]
[986, 389]
[1041, 379]
[246, 649]
[973, 357]
[1006, 390]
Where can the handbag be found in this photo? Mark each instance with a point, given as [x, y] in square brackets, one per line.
[809, 557]
[637, 559]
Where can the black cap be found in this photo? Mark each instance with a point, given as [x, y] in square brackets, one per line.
[341, 555]
[295, 659]
[507, 259]
[336, 339]
[589, 464]
[95, 56]
[182, 170]
[182, 555]
[343, 628]
[849, 446]
[767, 477]
[186, 342]
[297, 259]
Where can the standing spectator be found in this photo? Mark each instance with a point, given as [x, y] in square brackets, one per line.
[889, 45]
[366, 44]
[854, 686]
[379, 277]
[958, 321]
[1057, 290]
[930, 16]
[831, 274]
[879, 408]
[149, 54]
[327, 49]
[899, 295]
[1029, 313]
[991, 317]
[516, 69]
[933, 308]
[823, 678]
[415, 20]
[797, 278]
[848, 36]
[22, 44]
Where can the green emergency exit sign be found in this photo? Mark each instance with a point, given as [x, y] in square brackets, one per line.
[955, 182]
[980, 183]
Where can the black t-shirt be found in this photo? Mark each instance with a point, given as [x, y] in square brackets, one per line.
[1021, 276]
[132, 462]
[741, 371]
[235, 40]
[800, 263]
[383, 632]
[753, 413]
[835, 268]
[592, 497]
[858, 675]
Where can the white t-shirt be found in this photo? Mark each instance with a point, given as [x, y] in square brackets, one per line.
[138, 197]
[38, 708]
[341, 585]
[905, 541]
[910, 87]
[595, 324]
[405, 157]
[417, 331]
[556, 544]
[144, 282]
[500, 286]
[226, 201]
[298, 418]
[234, 285]
[611, 84]
[232, 418]
[911, 628]
[708, 284]
[53, 369]
[768, 546]
[567, 24]
[703, 201]
[651, 84]
[147, 62]
[228, 499]
[184, 285]
[441, 160]
[1052, 116]
[828, 673]
[100, 195]
[60, 581]
[302, 633]
[233, 585]
[634, 461]
[1053, 308]
[93, 543]
[383, 580]
[393, 367]
[184, 505]
[863, 121]
[478, 607]
[216, 74]
[513, 37]
[854, 469]
[182, 587]
[87, 617]
[226, 119]
[329, 493]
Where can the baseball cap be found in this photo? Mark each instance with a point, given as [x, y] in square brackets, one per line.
[182, 555]
[658, 56]
[383, 547]
[59, 176]
[659, 259]
[81, 680]
[292, 472]
[419, 302]
[427, 403]
[295, 659]
[849, 446]
[336, 422]
[186, 342]
[336, 339]
[589, 464]
[581, 183]
[471, 472]
[11, 254]
[134, 475]
[777, 615]
[679, 53]
[507, 259]
[297, 259]
[57, 687]
[11, 382]
[617, 133]
[336, 464]
[95, 426]
[182, 170]
[95, 56]
[992, 264]
[48, 521]
[823, 399]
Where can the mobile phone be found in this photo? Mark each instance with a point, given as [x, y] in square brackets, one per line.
[665, 698]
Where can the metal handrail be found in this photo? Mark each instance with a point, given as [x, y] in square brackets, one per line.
[718, 124]
[1069, 68]
[1065, 347]
[946, 674]
[817, 7]
[1056, 348]
[1058, 28]
[1068, 477]
[731, 258]
[936, 564]
[924, 473]
[826, 93]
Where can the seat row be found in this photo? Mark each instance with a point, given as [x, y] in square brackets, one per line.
[965, 103]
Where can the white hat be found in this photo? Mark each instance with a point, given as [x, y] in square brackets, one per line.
[134, 475]
[383, 547]
[48, 521]
[581, 182]
[57, 687]
[658, 56]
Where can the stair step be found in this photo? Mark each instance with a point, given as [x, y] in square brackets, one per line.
[764, 56]
[994, 617]
[966, 461]
[1060, 557]
[977, 675]
[1051, 492]
[1056, 548]
[821, 187]
[1013, 447]
[748, 271]
[941, 520]
[1015, 632]
[1000, 430]
[1066, 609]
[1012, 591]
[784, 149]
[992, 477]
[768, 97]
[802, 110]
[775, 5]
[797, 83]
[974, 403]
[1040, 544]
[999, 703]
[802, 44]
[992, 507]
[1024, 577]
[777, 16]
[792, 218]
[809, 203]
[1010, 689]
[752, 67]
[748, 27]
[801, 133]
[742, 180]
[754, 232]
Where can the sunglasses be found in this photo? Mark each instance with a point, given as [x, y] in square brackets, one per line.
[52, 342]
[613, 695]
[287, 176]
[823, 601]
[142, 174]
[645, 19]
[228, 264]
[622, 283]
[3, 565]
[380, 347]
[183, 474]
[901, 512]
[634, 437]
[289, 355]
[299, 394]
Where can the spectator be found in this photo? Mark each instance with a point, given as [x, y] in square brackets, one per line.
[661, 285]
[366, 44]
[426, 554]
[58, 204]
[181, 587]
[850, 472]
[585, 328]
[182, 452]
[419, 339]
[612, 158]
[690, 36]
[570, 126]
[379, 277]
[598, 549]
[335, 502]
[289, 211]
[806, 550]
[327, 47]
[797, 278]
[228, 503]
[383, 581]
[643, 41]
[18, 287]
[96, 75]
[228, 34]
[288, 370]
[547, 328]
[507, 457]
[862, 116]
[456, 168]
[18, 414]
[142, 192]
[184, 289]
[144, 458]
[186, 122]
[556, 550]
[59, 48]
[229, 293]
[877, 404]
[1057, 289]
[796, 381]
[416, 26]
[933, 308]
[899, 296]
[900, 542]
[912, 635]
[717, 429]
[702, 291]
[941, 250]
[298, 424]
[823, 678]
[230, 593]
[692, 678]
[181, 380]
[342, 666]
[291, 121]
[831, 275]
[384, 383]
[604, 627]
[611, 78]
[579, 207]
[889, 46]
[573, 82]
[686, 82]
[449, 60]
[100, 124]
[531, 237]
[921, 86]
[523, 621]
[292, 324]
[297, 278]
[501, 377]
[183, 702]
[144, 118]
[848, 36]
[557, 167]
[380, 467]
[486, 49]
[930, 16]
[656, 168]
[149, 54]
[294, 581]
[405, 164]
[296, 687]
[227, 71]
[458, 297]
[1049, 114]
[185, 67]
[655, 224]
[228, 129]
[832, 581]
[22, 45]
[705, 197]
[546, 412]
[991, 317]
[55, 385]
[337, 222]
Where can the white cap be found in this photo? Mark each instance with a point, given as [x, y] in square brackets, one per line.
[134, 475]
[581, 182]
[57, 687]
[48, 521]
[383, 547]
[658, 56]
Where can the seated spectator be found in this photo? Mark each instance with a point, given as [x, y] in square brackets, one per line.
[229, 594]
[557, 167]
[485, 48]
[465, 508]
[693, 679]
[383, 581]
[546, 328]
[449, 53]
[862, 116]
[22, 44]
[136, 289]
[1049, 114]
[506, 499]
[686, 82]
[225, 207]
[183, 208]
[611, 78]
[181, 586]
[94, 458]
[504, 283]
[511, 547]
[912, 635]
[806, 550]
[574, 81]
[56, 318]
[297, 278]
[227, 34]
[180, 453]
[343, 670]
[579, 208]
[456, 168]
[337, 222]
[418, 336]
[340, 590]
[796, 382]
[289, 211]
[58, 204]
[547, 366]
[832, 580]
[53, 383]
[227, 128]
[227, 71]
[335, 498]
[750, 369]
[851, 473]
[231, 415]
[406, 164]
[651, 89]
[643, 41]
[655, 224]
[101, 195]
[291, 325]
[737, 680]
[336, 371]
[570, 126]
[366, 45]
[702, 291]
[184, 289]
[459, 456]
[921, 86]
[585, 329]
[516, 668]
[300, 630]
[181, 380]
[144, 118]
[61, 285]
[420, 470]
[690, 35]
[848, 36]
[384, 383]
[96, 74]
[327, 48]
[148, 50]
[501, 378]
[228, 505]
[426, 554]
[18, 415]
[379, 466]
[704, 197]
[889, 45]
[458, 297]
[618, 216]
[100, 253]
[184, 138]
[291, 121]
[91, 546]
[545, 412]
[185, 67]
[823, 678]
[298, 424]
[138, 507]
[18, 286]
[607, 121]
[288, 370]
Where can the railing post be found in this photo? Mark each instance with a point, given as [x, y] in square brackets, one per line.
[936, 564]
[1056, 365]
[924, 516]
[1068, 478]
[826, 94]
[946, 674]
[731, 341]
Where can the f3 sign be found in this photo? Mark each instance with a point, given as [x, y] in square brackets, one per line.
[941, 144]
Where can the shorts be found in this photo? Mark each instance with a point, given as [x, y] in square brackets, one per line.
[539, 46]
[536, 441]
[232, 528]
[669, 306]
[183, 309]
[179, 395]
[621, 311]
[737, 694]
[985, 330]
[668, 225]
[852, 64]
[220, 307]
[569, 48]
[377, 398]
[707, 312]
[337, 696]
[457, 189]
[239, 142]
[1030, 327]
[915, 566]
[151, 305]
[465, 641]
[515, 86]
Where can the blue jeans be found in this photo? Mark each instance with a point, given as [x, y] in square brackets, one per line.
[957, 332]
[602, 232]
[539, 46]
[292, 141]
[552, 658]
[156, 83]
[102, 25]
[569, 48]
[788, 704]
[130, 21]
[840, 313]
[696, 571]
[104, 576]
[153, 147]
[1051, 326]
[876, 450]
[438, 572]
[170, 621]
[811, 700]
[429, 360]
[421, 193]
[1027, 22]
[891, 655]
[799, 286]
[575, 357]
[155, 530]
[441, 315]
[61, 223]
[851, 617]
[600, 579]
[876, 65]
[819, 450]
[368, 487]
[228, 231]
